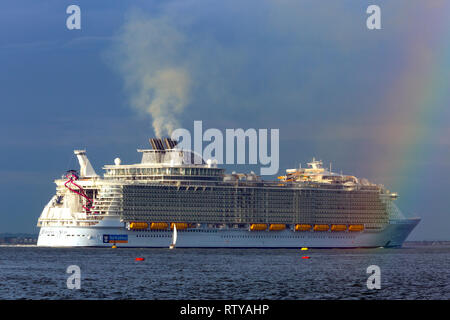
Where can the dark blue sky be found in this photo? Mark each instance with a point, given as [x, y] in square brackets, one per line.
[312, 70]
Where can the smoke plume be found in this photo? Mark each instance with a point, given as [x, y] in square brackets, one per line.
[148, 54]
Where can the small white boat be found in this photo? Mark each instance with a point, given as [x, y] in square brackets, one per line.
[174, 237]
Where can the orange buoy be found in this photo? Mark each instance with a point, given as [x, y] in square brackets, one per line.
[140, 259]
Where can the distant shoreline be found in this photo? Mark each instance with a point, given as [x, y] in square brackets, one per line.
[30, 240]
[18, 238]
[426, 243]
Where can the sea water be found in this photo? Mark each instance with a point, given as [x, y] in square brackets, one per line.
[413, 272]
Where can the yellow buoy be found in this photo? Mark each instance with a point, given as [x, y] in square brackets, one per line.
[304, 249]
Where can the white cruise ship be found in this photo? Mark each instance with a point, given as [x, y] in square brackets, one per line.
[169, 196]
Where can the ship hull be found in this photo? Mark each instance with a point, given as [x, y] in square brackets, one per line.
[393, 235]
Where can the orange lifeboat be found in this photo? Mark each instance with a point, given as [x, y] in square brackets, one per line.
[159, 225]
[302, 227]
[138, 225]
[321, 227]
[277, 227]
[179, 225]
[356, 227]
[258, 227]
[338, 227]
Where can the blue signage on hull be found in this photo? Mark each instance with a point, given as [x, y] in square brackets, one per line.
[115, 238]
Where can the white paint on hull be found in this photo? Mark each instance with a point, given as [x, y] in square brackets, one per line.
[393, 235]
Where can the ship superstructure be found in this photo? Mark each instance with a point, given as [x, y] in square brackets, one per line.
[138, 205]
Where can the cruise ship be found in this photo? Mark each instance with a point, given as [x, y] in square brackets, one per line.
[175, 194]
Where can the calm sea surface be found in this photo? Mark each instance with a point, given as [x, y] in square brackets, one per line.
[407, 273]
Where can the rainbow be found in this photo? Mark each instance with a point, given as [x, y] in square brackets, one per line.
[417, 98]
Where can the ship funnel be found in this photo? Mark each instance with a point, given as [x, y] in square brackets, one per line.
[162, 144]
[86, 169]
[170, 144]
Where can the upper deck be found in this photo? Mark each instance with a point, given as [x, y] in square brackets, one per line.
[171, 165]
[166, 163]
[315, 172]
